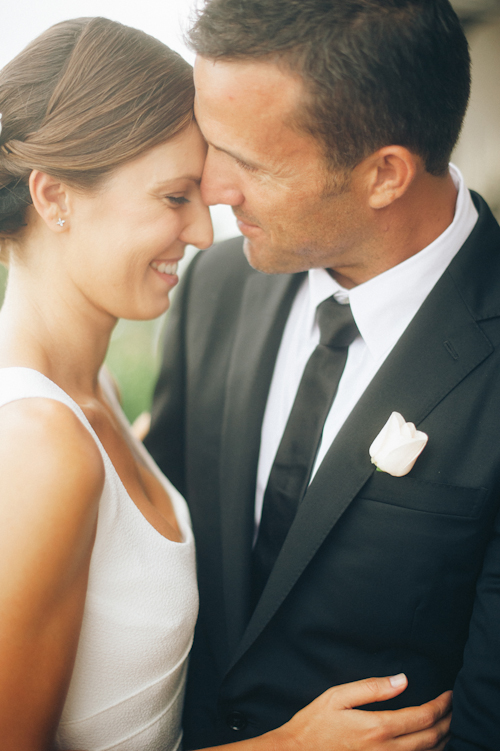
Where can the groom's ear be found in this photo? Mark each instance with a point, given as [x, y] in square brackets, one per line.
[389, 172]
[50, 199]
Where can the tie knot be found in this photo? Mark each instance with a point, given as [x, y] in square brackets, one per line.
[336, 324]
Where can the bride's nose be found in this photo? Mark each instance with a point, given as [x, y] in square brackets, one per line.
[199, 231]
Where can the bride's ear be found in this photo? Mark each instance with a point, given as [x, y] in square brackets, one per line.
[50, 200]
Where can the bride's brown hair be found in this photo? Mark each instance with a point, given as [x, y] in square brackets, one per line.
[84, 97]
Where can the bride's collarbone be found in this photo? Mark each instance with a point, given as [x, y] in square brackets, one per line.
[145, 490]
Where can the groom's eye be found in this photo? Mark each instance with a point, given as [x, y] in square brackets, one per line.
[245, 166]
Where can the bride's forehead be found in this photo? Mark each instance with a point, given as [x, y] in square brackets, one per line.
[179, 158]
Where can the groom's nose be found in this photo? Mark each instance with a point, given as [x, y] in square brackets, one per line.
[220, 182]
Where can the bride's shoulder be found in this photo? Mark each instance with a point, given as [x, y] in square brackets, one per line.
[47, 457]
[51, 480]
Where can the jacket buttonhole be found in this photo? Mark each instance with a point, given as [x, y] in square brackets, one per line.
[451, 350]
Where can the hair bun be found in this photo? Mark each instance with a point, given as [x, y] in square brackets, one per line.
[13, 201]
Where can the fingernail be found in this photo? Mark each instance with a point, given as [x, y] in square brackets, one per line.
[397, 680]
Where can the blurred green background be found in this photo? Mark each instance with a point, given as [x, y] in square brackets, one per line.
[133, 358]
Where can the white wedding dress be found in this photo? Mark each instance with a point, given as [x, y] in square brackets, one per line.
[127, 687]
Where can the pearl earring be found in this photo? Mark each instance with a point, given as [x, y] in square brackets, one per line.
[60, 222]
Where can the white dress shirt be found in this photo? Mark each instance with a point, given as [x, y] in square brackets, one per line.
[382, 308]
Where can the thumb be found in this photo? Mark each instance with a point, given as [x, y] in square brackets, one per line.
[367, 691]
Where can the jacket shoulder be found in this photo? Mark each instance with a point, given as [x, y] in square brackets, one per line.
[215, 280]
[223, 263]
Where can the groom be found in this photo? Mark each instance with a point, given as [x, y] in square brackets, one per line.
[330, 124]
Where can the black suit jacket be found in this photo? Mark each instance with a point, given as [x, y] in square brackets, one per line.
[378, 574]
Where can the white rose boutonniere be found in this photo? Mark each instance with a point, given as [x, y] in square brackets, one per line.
[398, 446]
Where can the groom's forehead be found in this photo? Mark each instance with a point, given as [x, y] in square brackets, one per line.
[248, 110]
[262, 81]
[253, 96]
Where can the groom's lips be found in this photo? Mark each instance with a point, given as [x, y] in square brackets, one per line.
[246, 228]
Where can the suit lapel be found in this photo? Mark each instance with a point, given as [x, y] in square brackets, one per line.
[264, 311]
[436, 352]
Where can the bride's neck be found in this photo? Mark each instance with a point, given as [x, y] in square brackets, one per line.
[47, 325]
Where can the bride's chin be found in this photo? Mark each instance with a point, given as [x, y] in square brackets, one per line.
[139, 313]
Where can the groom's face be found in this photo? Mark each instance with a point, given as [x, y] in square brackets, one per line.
[290, 209]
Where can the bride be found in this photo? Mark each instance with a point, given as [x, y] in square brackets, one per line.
[100, 164]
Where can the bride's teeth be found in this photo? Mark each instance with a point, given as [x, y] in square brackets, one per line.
[168, 268]
[165, 268]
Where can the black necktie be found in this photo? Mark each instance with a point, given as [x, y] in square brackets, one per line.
[297, 451]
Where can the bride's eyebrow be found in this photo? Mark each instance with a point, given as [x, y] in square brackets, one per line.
[172, 182]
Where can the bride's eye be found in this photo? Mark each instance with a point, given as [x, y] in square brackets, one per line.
[177, 200]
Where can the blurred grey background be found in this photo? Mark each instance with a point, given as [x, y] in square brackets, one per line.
[134, 351]
[478, 151]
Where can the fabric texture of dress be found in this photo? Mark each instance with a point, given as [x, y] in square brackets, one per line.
[127, 687]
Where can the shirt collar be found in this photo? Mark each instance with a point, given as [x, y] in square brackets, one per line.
[384, 306]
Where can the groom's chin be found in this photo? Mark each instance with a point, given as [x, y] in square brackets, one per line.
[263, 256]
[260, 257]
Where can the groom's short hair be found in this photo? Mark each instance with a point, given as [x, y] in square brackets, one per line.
[375, 72]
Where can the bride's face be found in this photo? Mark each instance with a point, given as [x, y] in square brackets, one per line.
[124, 242]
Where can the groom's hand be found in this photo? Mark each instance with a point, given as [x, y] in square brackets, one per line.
[332, 722]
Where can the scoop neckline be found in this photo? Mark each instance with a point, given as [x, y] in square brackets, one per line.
[184, 526]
